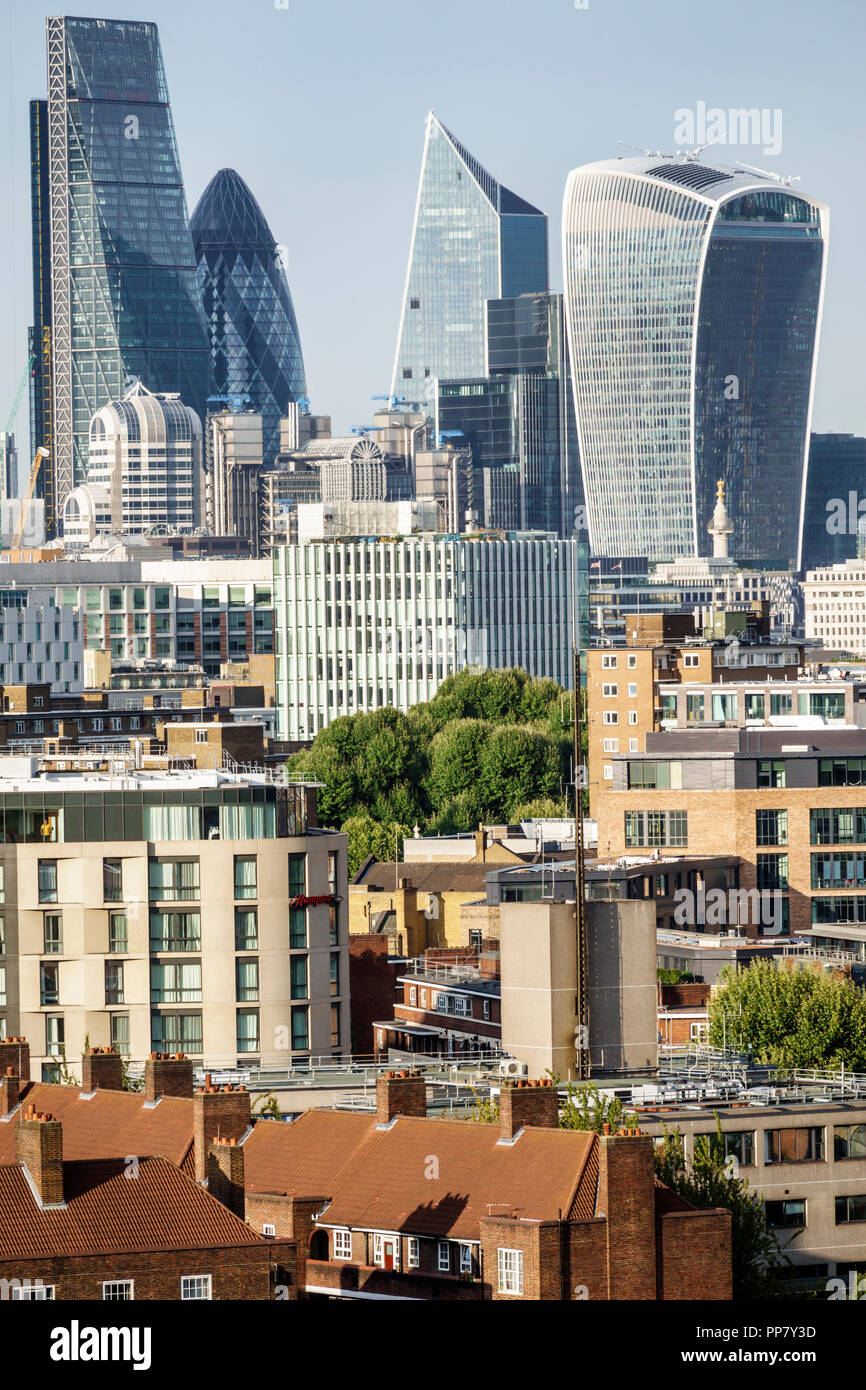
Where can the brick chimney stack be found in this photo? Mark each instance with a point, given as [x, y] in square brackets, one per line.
[225, 1174]
[39, 1147]
[101, 1070]
[10, 1092]
[400, 1093]
[522, 1103]
[15, 1053]
[167, 1074]
[218, 1113]
[626, 1196]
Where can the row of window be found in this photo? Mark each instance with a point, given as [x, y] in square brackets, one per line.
[452, 1257]
[192, 1286]
[174, 880]
[180, 983]
[803, 1145]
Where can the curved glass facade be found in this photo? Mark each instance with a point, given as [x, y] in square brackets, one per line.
[693, 303]
[254, 341]
[473, 240]
[125, 298]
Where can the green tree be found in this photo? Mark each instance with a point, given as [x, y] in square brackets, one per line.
[517, 765]
[587, 1108]
[790, 1018]
[673, 977]
[710, 1180]
[455, 754]
[542, 808]
[368, 836]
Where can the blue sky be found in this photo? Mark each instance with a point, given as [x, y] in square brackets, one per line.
[320, 106]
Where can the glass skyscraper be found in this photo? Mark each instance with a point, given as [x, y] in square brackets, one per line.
[835, 500]
[254, 340]
[125, 301]
[693, 299]
[472, 240]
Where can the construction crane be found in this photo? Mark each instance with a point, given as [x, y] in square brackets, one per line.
[41, 453]
[18, 394]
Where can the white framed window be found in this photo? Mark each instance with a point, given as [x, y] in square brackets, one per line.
[33, 1293]
[269, 1229]
[195, 1286]
[633, 745]
[632, 690]
[632, 662]
[609, 691]
[608, 663]
[378, 1257]
[342, 1245]
[413, 1252]
[465, 1259]
[632, 716]
[413, 995]
[118, 1290]
[691, 659]
[443, 1256]
[610, 745]
[609, 716]
[510, 1269]
[423, 999]
[201, 735]
[607, 772]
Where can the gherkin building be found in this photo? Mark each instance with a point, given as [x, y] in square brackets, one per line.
[255, 347]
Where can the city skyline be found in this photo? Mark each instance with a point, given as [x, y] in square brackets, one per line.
[310, 181]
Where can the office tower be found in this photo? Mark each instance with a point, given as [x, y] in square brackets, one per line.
[413, 611]
[8, 467]
[472, 240]
[835, 500]
[39, 337]
[125, 301]
[235, 464]
[693, 299]
[519, 418]
[254, 342]
[144, 470]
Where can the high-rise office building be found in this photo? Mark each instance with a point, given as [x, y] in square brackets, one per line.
[693, 299]
[125, 301]
[40, 334]
[835, 521]
[519, 418]
[472, 240]
[254, 342]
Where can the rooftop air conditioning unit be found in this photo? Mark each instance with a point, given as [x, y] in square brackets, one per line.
[511, 1067]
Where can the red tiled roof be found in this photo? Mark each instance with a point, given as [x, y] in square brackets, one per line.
[385, 1179]
[108, 1212]
[111, 1124]
[304, 1158]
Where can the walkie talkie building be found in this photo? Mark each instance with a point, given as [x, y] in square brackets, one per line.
[693, 300]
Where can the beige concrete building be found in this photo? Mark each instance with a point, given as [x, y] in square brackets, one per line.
[538, 962]
[199, 912]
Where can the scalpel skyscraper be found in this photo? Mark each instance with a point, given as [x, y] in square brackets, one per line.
[693, 297]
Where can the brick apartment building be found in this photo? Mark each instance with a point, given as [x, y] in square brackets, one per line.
[791, 805]
[668, 666]
[514, 1210]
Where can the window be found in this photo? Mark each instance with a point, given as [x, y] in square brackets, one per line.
[609, 716]
[787, 1213]
[55, 1034]
[465, 1259]
[246, 929]
[342, 1245]
[52, 930]
[632, 690]
[247, 979]
[176, 1033]
[201, 735]
[724, 707]
[112, 880]
[300, 1030]
[656, 829]
[118, 934]
[772, 871]
[652, 775]
[175, 931]
[738, 1144]
[297, 875]
[839, 870]
[845, 825]
[842, 772]
[754, 705]
[510, 1269]
[632, 716]
[174, 880]
[413, 1252]
[609, 692]
[195, 1286]
[335, 1025]
[443, 1256]
[245, 876]
[47, 879]
[114, 982]
[694, 709]
[610, 745]
[771, 827]
[172, 983]
[850, 1209]
[268, 1229]
[297, 928]
[248, 1030]
[771, 772]
[794, 1145]
[608, 663]
[335, 974]
[120, 1033]
[49, 984]
[33, 1293]
[691, 659]
[118, 1291]
[631, 662]
[849, 1141]
[298, 977]
[781, 703]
